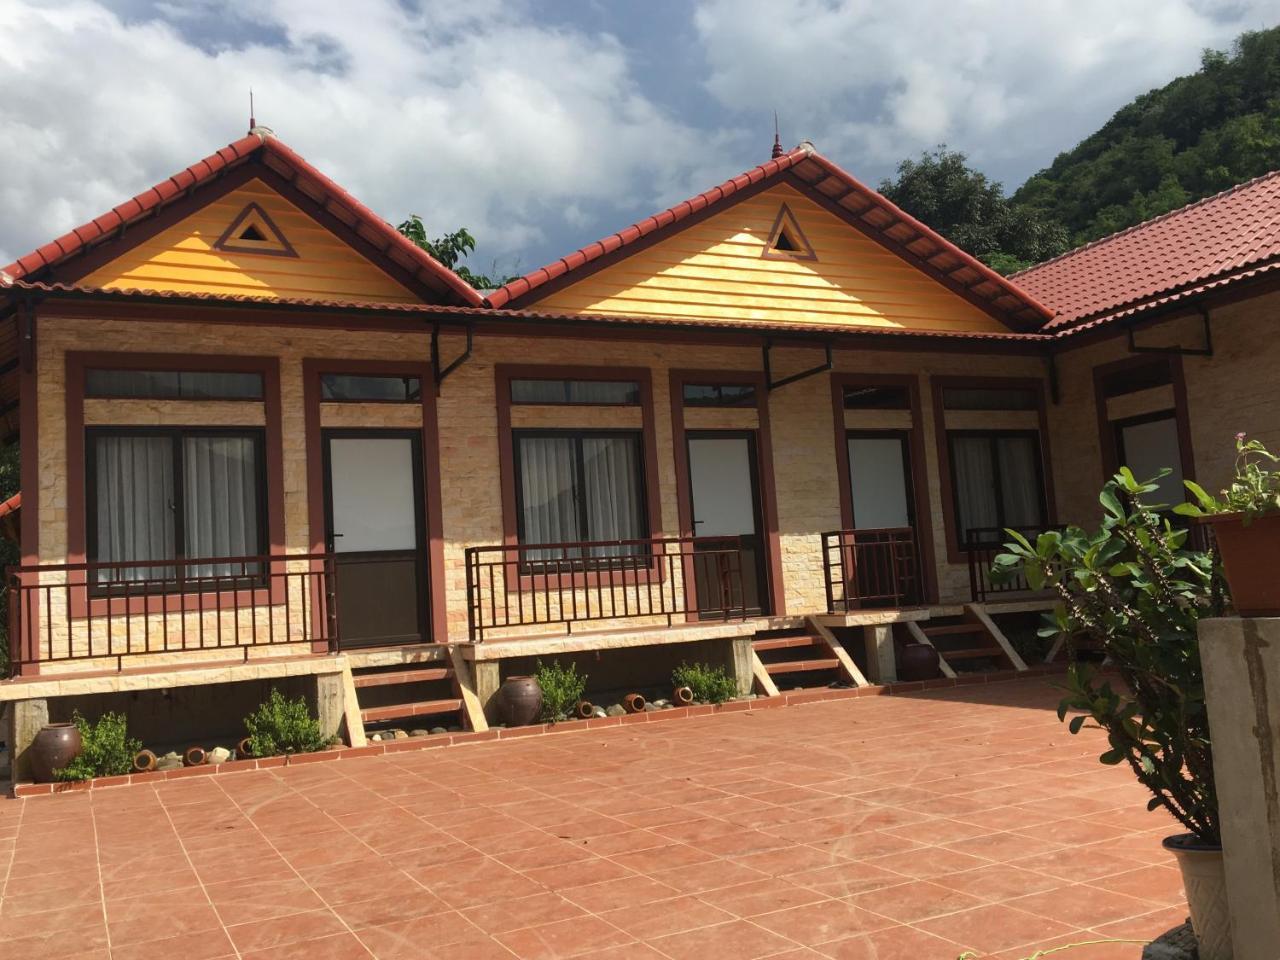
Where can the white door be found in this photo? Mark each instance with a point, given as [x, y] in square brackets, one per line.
[723, 493]
[878, 481]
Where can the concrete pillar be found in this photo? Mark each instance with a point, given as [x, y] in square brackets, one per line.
[487, 680]
[741, 664]
[882, 663]
[26, 717]
[1241, 660]
[330, 703]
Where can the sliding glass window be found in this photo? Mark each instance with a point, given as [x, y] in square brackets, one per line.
[998, 482]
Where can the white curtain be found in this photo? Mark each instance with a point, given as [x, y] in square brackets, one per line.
[975, 484]
[611, 469]
[134, 505]
[1019, 481]
[548, 492]
[221, 502]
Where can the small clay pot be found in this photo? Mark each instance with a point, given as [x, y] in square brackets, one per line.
[633, 703]
[55, 746]
[194, 757]
[584, 709]
[144, 761]
[682, 696]
[520, 699]
[917, 661]
[244, 748]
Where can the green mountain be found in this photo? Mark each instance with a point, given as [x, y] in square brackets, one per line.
[1189, 139]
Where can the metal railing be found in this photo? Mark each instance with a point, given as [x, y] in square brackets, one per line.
[981, 547]
[871, 568]
[525, 585]
[116, 610]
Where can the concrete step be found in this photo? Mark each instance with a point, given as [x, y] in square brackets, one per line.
[800, 666]
[399, 711]
[782, 643]
[420, 675]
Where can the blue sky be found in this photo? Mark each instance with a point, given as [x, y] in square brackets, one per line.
[544, 125]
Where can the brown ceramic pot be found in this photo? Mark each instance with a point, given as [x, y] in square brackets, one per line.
[243, 749]
[56, 745]
[584, 709]
[194, 757]
[1250, 557]
[144, 761]
[633, 703]
[682, 696]
[917, 661]
[521, 701]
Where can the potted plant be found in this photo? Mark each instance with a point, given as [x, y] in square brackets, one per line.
[1135, 588]
[1246, 526]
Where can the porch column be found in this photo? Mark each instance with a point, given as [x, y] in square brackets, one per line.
[882, 663]
[330, 703]
[740, 664]
[26, 717]
[487, 683]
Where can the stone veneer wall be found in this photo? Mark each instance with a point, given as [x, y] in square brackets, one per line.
[801, 420]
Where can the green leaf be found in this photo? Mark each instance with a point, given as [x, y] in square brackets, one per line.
[1076, 723]
[1112, 757]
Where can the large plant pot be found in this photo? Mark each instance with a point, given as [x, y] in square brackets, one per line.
[55, 746]
[1250, 558]
[917, 661]
[1205, 881]
[520, 700]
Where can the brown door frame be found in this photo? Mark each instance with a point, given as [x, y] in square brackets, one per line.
[773, 587]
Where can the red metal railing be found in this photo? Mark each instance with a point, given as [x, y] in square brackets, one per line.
[115, 610]
[524, 585]
[981, 547]
[871, 568]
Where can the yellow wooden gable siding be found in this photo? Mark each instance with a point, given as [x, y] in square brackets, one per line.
[182, 258]
[714, 270]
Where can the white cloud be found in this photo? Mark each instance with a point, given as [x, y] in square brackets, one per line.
[469, 114]
[1010, 82]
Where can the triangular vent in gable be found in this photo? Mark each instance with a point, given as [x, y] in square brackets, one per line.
[786, 240]
[253, 231]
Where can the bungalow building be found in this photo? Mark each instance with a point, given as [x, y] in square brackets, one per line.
[781, 425]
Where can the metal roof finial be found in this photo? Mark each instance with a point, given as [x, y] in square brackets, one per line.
[777, 140]
[252, 122]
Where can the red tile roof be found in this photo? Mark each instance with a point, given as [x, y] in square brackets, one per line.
[1206, 244]
[908, 237]
[264, 146]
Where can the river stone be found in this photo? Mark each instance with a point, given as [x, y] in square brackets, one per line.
[666, 706]
[598, 712]
[616, 710]
[170, 761]
[661, 703]
[1176, 944]
[376, 738]
[419, 732]
[454, 729]
[219, 755]
[438, 730]
[651, 708]
[400, 734]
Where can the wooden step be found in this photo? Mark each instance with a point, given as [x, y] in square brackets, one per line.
[419, 675]
[398, 711]
[782, 643]
[952, 629]
[971, 653]
[797, 666]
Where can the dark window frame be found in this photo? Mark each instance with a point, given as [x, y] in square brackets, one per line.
[512, 381]
[639, 560]
[993, 435]
[409, 396]
[752, 401]
[89, 394]
[176, 435]
[903, 389]
[1031, 394]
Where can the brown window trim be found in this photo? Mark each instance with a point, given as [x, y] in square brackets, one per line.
[503, 374]
[764, 458]
[1106, 432]
[433, 511]
[946, 481]
[77, 363]
[919, 468]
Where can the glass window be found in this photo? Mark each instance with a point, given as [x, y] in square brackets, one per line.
[599, 392]
[879, 480]
[876, 398]
[165, 494]
[586, 486]
[173, 385]
[1146, 376]
[1146, 446]
[719, 395]
[336, 387]
[997, 483]
[989, 398]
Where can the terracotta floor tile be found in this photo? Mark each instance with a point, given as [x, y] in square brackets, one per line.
[508, 915]
[407, 939]
[892, 943]
[205, 945]
[343, 946]
[623, 892]
[916, 900]
[738, 939]
[994, 927]
[998, 881]
[823, 921]
[648, 921]
[564, 938]
[275, 932]
[1161, 884]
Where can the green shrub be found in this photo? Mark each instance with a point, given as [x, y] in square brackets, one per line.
[709, 684]
[106, 749]
[283, 726]
[561, 688]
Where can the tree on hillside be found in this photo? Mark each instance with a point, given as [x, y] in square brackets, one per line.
[1191, 138]
[943, 191]
[449, 250]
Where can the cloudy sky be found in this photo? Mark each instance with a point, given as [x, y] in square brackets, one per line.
[543, 125]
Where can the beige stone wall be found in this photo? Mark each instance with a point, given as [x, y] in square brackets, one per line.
[1235, 389]
[801, 418]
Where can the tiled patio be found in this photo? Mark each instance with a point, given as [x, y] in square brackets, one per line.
[882, 828]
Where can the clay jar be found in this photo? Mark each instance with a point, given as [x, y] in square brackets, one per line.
[584, 710]
[144, 761]
[633, 703]
[917, 661]
[520, 699]
[55, 746]
[682, 696]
